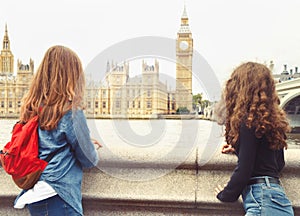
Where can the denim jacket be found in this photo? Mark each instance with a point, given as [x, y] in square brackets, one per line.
[64, 170]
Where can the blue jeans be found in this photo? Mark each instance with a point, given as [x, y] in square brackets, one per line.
[266, 199]
[53, 206]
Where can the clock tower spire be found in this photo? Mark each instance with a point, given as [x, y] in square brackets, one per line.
[184, 56]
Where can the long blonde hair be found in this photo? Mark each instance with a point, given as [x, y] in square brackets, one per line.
[57, 86]
[250, 97]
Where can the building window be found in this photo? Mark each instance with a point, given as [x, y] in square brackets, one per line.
[148, 104]
[19, 103]
[133, 104]
[104, 104]
[148, 93]
[118, 104]
[118, 93]
[96, 104]
[2, 104]
[20, 94]
[104, 93]
[139, 104]
[89, 104]
[128, 104]
[10, 104]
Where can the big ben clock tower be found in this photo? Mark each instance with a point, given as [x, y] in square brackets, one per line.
[184, 56]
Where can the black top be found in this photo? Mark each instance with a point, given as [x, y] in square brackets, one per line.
[255, 158]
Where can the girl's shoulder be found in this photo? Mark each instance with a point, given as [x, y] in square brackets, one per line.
[72, 116]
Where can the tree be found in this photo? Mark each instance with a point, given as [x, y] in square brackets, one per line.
[197, 101]
[182, 110]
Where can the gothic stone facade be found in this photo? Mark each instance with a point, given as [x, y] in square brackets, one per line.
[119, 95]
[12, 86]
[144, 96]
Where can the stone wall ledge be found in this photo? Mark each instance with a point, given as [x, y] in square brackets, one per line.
[139, 160]
[229, 161]
[189, 189]
[176, 192]
[217, 162]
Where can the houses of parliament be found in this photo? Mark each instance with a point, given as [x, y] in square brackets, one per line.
[118, 95]
[12, 86]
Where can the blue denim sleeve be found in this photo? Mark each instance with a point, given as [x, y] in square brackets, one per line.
[78, 136]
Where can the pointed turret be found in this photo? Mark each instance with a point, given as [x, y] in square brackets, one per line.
[184, 27]
[107, 67]
[6, 42]
[184, 14]
[6, 56]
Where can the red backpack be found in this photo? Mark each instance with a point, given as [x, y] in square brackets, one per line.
[19, 157]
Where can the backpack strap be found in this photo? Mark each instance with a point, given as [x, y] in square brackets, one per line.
[51, 155]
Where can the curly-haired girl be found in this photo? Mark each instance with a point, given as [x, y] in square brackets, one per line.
[255, 129]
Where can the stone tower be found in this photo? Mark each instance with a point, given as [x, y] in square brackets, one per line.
[6, 56]
[24, 76]
[113, 101]
[150, 73]
[184, 56]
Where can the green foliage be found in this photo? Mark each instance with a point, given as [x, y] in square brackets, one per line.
[182, 110]
[199, 103]
[197, 99]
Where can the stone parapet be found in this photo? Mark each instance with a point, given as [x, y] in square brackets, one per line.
[187, 190]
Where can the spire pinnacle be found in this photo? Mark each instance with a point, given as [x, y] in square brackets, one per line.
[6, 32]
[184, 14]
[184, 27]
[6, 43]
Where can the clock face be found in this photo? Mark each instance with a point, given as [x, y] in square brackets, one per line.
[183, 45]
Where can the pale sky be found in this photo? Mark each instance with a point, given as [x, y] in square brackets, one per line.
[225, 32]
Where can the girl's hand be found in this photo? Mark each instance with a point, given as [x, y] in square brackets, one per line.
[226, 149]
[218, 189]
[96, 143]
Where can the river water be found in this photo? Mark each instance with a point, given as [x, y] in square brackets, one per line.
[150, 134]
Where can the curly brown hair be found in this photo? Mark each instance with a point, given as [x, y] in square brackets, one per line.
[250, 97]
[57, 86]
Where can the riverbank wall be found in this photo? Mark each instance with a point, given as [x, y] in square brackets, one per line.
[187, 189]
